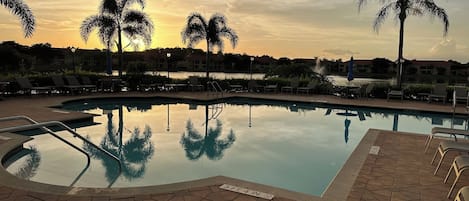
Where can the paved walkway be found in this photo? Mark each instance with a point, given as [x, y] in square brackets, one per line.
[401, 171]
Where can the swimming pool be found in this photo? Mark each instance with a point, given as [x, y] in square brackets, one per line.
[296, 146]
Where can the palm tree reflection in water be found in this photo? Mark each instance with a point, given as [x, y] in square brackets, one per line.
[29, 169]
[197, 145]
[134, 153]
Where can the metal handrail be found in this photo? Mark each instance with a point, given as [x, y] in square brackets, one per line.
[12, 118]
[43, 125]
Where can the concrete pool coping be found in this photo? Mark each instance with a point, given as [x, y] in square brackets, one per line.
[338, 189]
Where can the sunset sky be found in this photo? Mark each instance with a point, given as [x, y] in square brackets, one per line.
[296, 28]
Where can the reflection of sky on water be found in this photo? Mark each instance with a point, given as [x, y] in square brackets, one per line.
[299, 147]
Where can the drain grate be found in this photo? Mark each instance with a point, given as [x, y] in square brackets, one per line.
[247, 191]
[374, 150]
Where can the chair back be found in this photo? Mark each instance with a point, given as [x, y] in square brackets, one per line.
[24, 83]
[252, 84]
[86, 80]
[72, 80]
[193, 80]
[295, 83]
[461, 91]
[58, 81]
[312, 84]
[439, 89]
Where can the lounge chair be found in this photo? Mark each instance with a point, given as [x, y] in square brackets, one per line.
[26, 86]
[271, 88]
[447, 146]
[72, 80]
[447, 131]
[194, 84]
[308, 88]
[395, 94]
[254, 87]
[462, 193]
[63, 88]
[438, 92]
[293, 85]
[460, 164]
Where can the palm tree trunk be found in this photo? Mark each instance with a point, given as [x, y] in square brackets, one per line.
[119, 49]
[401, 47]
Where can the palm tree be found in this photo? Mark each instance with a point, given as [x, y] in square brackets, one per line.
[116, 17]
[198, 29]
[19, 8]
[402, 9]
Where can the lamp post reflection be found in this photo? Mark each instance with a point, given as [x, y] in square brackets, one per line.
[250, 68]
[250, 122]
[167, 127]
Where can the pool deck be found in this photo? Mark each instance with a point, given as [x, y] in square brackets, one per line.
[400, 171]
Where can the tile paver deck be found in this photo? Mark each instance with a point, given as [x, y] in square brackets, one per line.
[401, 171]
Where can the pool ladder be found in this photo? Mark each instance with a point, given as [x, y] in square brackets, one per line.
[213, 86]
[43, 126]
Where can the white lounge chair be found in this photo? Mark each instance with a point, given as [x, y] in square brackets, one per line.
[447, 131]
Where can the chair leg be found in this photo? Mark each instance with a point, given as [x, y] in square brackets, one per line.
[428, 142]
[452, 186]
[449, 172]
[439, 163]
[434, 156]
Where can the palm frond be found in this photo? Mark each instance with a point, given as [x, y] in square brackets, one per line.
[20, 9]
[138, 31]
[434, 10]
[110, 7]
[137, 17]
[88, 25]
[382, 15]
[230, 34]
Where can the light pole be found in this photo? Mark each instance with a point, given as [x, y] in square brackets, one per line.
[168, 56]
[250, 68]
[73, 50]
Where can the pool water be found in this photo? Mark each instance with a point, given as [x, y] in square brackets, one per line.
[296, 146]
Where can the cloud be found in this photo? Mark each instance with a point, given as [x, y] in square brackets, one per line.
[449, 49]
[340, 52]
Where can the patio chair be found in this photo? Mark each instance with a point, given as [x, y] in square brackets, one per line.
[72, 80]
[254, 87]
[395, 93]
[448, 146]
[63, 88]
[293, 85]
[194, 84]
[447, 131]
[462, 193]
[460, 164]
[308, 88]
[271, 88]
[26, 86]
[438, 92]
[461, 93]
